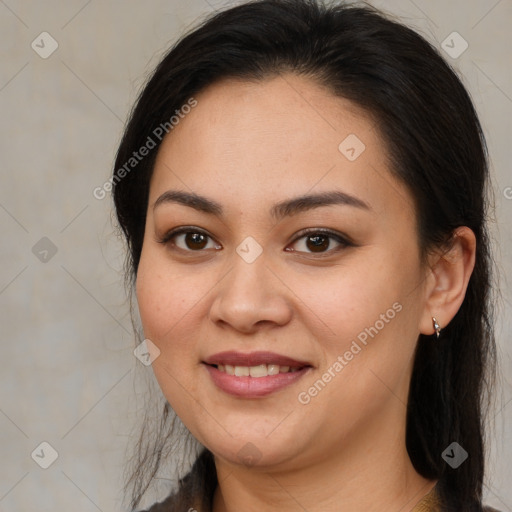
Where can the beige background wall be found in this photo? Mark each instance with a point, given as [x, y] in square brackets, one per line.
[67, 371]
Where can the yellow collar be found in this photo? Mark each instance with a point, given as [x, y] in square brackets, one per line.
[429, 503]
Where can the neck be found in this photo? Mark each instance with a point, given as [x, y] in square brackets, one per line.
[371, 472]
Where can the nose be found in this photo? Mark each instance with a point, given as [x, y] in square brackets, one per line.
[250, 297]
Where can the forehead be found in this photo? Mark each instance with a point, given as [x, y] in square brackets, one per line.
[285, 136]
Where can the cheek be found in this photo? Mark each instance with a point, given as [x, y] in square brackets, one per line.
[366, 311]
[167, 304]
[349, 299]
[167, 298]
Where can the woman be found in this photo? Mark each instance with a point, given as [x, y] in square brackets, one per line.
[302, 191]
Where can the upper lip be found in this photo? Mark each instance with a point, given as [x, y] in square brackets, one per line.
[234, 358]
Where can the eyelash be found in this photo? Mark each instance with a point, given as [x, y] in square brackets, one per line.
[343, 241]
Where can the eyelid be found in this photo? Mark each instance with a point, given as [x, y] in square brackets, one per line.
[168, 235]
[342, 239]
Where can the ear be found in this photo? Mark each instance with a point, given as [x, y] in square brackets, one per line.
[447, 280]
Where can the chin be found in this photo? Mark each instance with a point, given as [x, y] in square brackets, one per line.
[251, 447]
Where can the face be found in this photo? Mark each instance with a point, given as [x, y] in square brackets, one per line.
[279, 247]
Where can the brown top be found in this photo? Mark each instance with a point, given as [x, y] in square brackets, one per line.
[196, 490]
[429, 503]
[432, 503]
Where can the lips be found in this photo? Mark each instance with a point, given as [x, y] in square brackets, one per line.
[254, 375]
[233, 358]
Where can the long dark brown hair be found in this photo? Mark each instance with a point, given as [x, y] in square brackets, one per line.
[428, 122]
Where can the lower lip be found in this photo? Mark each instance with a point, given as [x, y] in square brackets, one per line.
[253, 387]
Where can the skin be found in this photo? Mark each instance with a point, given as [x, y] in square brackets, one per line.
[248, 146]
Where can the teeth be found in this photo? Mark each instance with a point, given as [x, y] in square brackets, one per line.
[242, 371]
[262, 370]
[273, 369]
[258, 371]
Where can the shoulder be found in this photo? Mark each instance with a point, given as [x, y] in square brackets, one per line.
[162, 506]
[436, 501]
[181, 501]
[175, 502]
[195, 490]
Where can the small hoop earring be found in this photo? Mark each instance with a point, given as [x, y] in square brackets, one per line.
[437, 327]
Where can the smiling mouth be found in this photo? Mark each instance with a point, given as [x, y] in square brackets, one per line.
[254, 374]
[262, 370]
[257, 380]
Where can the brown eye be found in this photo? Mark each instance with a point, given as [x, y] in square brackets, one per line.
[317, 243]
[195, 241]
[188, 239]
[320, 242]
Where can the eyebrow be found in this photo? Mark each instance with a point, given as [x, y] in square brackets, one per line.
[285, 208]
